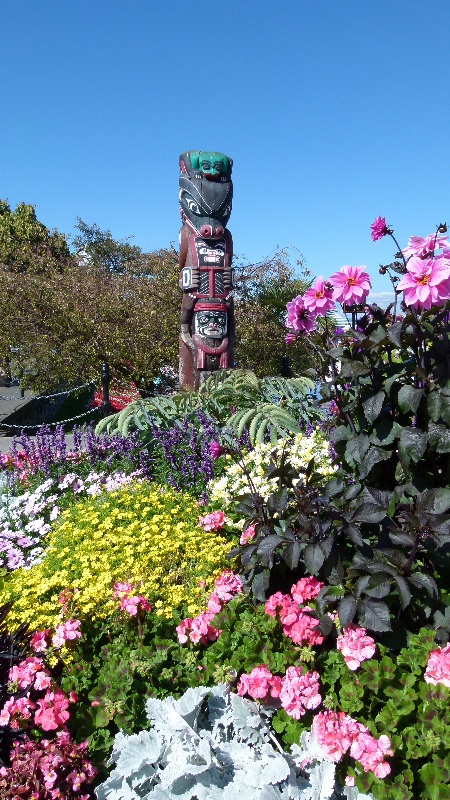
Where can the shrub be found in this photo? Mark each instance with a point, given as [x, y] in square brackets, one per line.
[149, 536]
[298, 452]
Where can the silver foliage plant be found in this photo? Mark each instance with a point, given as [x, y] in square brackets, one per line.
[220, 748]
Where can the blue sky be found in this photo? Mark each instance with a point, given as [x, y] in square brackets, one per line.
[333, 112]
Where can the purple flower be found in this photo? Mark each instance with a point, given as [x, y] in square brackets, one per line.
[378, 229]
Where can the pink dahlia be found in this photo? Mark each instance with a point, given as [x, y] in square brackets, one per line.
[378, 229]
[319, 299]
[426, 283]
[299, 317]
[351, 285]
[424, 247]
[438, 667]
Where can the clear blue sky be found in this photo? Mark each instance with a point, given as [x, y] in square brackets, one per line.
[334, 112]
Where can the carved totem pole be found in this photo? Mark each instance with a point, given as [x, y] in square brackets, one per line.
[206, 276]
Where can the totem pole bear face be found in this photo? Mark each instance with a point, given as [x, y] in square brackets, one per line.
[206, 192]
[210, 323]
[211, 165]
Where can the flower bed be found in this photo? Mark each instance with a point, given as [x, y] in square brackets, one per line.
[319, 666]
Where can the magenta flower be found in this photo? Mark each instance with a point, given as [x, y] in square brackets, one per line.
[299, 318]
[351, 285]
[426, 283]
[215, 449]
[378, 229]
[424, 247]
[319, 299]
[212, 522]
[133, 605]
[290, 338]
[247, 535]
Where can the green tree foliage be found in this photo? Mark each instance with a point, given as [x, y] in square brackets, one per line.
[26, 245]
[261, 295]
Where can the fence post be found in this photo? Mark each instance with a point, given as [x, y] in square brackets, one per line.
[105, 407]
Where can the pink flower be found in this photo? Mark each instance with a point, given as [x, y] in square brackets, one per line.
[40, 640]
[438, 667]
[299, 692]
[227, 585]
[66, 632]
[215, 449]
[378, 229]
[42, 681]
[306, 589]
[120, 589]
[351, 285]
[303, 630]
[299, 318]
[319, 299]
[52, 712]
[257, 683]
[247, 535]
[214, 604]
[212, 522]
[424, 247]
[299, 626]
[426, 283]
[290, 338]
[198, 629]
[24, 673]
[370, 752]
[183, 630]
[355, 646]
[334, 732]
[14, 711]
[133, 605]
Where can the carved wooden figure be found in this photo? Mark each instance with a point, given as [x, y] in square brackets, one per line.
[206, 275]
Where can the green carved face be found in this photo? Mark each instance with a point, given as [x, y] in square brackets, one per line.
[212, 165]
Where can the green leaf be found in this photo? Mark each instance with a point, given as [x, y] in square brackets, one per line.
[409, 398]
[314, 558]
[374, 615]
[425, 582]
[403, 591]
[413, 443]
[372, 407]
[347, 610]
[394, 333]
[353, 369]
[374, 456]
[439, 436]
[356, 448]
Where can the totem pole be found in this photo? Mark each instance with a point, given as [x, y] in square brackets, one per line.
[206, 276]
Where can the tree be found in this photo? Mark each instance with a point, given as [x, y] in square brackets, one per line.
[262, 293]
[26, 244]
[98, 248]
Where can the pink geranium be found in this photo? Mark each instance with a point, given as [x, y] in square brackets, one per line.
[306, 589]
[351, 285]
[24, 673]
[426, 283]
[319, 299]
[40, 640]
[259, 684]
[297, 622]
[134, 604]
[212, 522]
[15, 711]
[247, 535]
[299, 693]
[227, 585]
[52, 711]
[120, 588]
[66, 632]
[198, 629]
[378, 228]
[438, 666]
[336, 733]
[355, 646]
[424, 247]
[299, 317]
